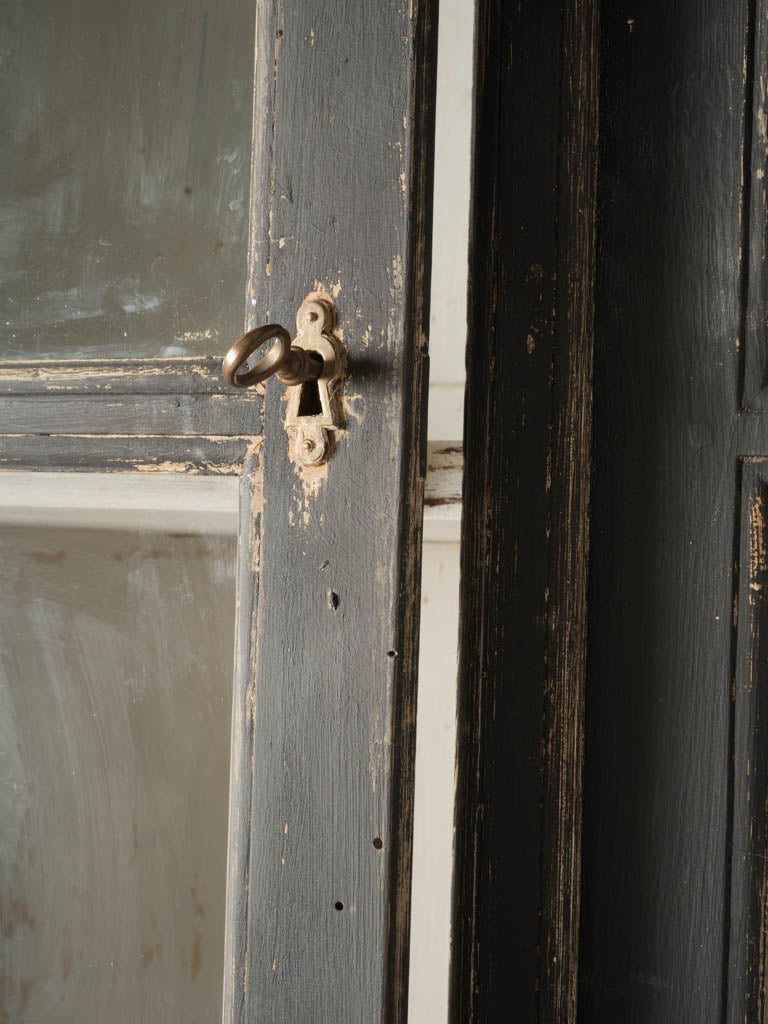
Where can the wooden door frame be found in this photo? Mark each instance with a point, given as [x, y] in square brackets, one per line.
[525, 513]
[318, 892]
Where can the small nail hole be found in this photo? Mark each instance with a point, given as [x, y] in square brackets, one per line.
[391, 654]
[333, 600]
[339, 905]
[378, 843]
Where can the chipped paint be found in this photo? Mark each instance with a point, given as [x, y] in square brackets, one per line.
[758, 547]
[256, 509]
[354, 407]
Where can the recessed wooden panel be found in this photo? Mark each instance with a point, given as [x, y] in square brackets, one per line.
[749, 831]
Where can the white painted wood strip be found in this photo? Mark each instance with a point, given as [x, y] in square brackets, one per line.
[173, 503]
[442, 492]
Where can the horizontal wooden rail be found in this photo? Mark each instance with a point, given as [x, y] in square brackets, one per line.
[181, 503]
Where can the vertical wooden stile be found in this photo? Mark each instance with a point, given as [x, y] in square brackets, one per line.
[323, 745]
[525, 528]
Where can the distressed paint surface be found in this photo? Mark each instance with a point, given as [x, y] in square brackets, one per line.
[749, 864]
[124, 199]
[525, 515]
[132, 414]
[323, 750]
[672, 925]
[126, 454]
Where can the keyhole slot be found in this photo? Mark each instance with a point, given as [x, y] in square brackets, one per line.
[309, 399]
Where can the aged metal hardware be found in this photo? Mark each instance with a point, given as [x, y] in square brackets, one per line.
[291, 365]
[312, 411]
[311, 365]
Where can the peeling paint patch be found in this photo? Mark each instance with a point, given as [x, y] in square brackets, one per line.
[354, 407]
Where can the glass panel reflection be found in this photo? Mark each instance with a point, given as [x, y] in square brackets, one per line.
[115, 693]
[125, 138]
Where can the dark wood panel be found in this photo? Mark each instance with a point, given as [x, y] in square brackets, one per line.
[221, 415]
[324, 746]
[755, 207]
[527, 436]
[137, 454]
[670, 315]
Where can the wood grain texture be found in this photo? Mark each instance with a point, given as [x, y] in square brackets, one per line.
[133, 396]
[221, 415]
[524, 557]
[182, 376]
[747, 930]
[445, 474]
[660, 921]
[749, 835]
[126, 454]
[323, 750]
[754, 396]
[572, 370]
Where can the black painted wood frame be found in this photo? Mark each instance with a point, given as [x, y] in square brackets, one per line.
[525, 509]
[674, 900]
[672, 920]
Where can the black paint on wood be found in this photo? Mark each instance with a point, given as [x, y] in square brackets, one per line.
[524, 556]
[183, 376]
[323, 747]
[672, 902]
[749, 834]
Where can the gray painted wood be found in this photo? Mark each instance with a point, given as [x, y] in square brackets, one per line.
[323, 750]
[137, 454]
[132, 414]
[749, 858]
[131, 397]
[525, 523]
[126, 158]
[747, 999]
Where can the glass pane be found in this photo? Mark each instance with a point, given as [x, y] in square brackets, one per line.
[125, 147]
[116, 652]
